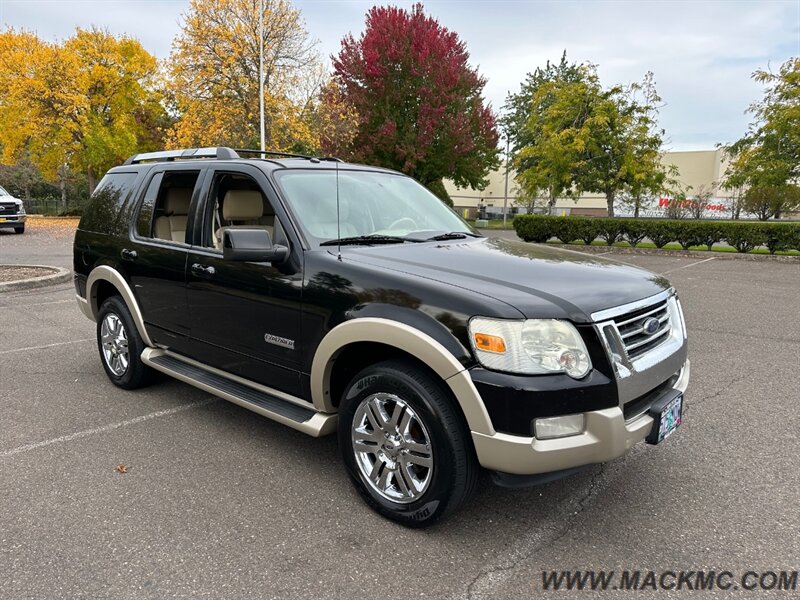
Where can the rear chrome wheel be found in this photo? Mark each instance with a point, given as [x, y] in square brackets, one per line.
[392, 448]
[121, 346]
[114, 342]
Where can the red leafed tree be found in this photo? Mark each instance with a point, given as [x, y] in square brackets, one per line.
[419, 103]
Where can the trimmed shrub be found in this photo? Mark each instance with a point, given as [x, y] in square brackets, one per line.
[660, 233]
[781, 236]
[611, 230]
[690, 234]
[710, 233]
[744, 236]
[588, 229]
[566, 229]
[633, 231]
[533, 228]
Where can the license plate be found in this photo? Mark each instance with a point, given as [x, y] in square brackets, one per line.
[3, 219]
[666, 419]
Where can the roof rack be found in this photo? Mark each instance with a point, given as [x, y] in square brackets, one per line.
[220, 153]
[286, 154]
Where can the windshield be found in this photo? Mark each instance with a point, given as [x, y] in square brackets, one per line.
[370, 204]
[3, 192]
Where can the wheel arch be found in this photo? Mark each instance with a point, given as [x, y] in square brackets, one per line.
[398, 339]
[97, 290]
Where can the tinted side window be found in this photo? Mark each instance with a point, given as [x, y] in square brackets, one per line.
[108, 201]
[144, 223]
[164, 213]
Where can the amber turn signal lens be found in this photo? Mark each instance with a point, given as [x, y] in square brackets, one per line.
[490, 343]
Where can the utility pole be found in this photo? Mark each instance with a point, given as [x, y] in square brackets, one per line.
[505, 193]
[261, 70]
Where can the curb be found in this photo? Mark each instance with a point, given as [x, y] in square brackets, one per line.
[679, 253]
[60, 275]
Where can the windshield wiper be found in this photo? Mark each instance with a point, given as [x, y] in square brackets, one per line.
[453, 235]
[367, 240]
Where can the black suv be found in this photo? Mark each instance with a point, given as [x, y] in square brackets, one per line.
[334, 297]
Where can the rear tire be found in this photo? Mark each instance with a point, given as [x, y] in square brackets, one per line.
[121, 346]
[405, 444]
[20, 229]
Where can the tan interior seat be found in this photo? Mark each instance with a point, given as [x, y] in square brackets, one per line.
[324, 224]
[244, 209]
[172, 224]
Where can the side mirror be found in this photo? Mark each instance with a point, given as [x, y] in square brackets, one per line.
[253, 245]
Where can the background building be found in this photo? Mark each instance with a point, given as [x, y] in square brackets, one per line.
[699, 172]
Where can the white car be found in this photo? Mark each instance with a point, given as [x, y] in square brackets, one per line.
[12, 212]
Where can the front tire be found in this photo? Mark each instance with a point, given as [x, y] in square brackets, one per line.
[20, 229]
[121, 346]
[405, 444]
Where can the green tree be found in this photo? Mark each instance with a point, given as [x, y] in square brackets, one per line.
[767, 201]
[767, 157]
[538, 123]
[621, 143]
[573, 136]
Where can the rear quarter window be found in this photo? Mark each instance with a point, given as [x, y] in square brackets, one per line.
[110, 206]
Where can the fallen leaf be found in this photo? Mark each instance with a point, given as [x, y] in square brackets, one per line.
[121, 469]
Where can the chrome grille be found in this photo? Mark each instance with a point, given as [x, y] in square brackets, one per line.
[633, 328]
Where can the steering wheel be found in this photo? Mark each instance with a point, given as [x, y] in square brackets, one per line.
[403, 220]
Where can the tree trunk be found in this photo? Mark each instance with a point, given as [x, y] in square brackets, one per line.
[91, 177]
[63, 185]
[610, 203]
[551, 203]
[637, 203]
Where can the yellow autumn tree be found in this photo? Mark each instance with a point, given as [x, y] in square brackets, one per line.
[214, 76]
[87, 103]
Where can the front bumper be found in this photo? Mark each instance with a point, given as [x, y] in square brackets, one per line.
[607, 436]
[12, 220]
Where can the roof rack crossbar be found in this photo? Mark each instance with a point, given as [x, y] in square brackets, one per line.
[273, 153]
[220, 153]
[286, 154]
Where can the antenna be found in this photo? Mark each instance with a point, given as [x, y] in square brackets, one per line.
[338, 227]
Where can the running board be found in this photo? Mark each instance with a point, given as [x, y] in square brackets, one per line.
[273, 404]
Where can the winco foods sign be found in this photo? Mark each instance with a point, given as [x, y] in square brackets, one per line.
[714, 208]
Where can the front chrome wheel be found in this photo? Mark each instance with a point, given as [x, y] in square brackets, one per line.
[114, 340]
[392, 448]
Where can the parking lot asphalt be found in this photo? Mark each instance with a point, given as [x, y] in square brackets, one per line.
[218, 502]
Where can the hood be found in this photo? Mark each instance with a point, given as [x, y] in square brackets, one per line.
[538, 280]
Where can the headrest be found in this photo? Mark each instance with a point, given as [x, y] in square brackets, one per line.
[177, 201]
[242, 205]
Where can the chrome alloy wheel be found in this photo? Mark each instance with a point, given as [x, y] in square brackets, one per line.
[114, 340]
[392, 448]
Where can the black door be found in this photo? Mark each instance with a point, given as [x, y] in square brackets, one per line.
[156, 257]
[245, 316]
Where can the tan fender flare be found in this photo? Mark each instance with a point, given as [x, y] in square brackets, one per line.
[112, 276]
[405, 338]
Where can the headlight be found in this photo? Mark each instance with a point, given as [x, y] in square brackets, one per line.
[20, 209]
[531, 347]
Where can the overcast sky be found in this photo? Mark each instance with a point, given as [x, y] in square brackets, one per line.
[701, 52]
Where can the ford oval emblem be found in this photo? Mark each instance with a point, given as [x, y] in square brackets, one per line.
[650, 326]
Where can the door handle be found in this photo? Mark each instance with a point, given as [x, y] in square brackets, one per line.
[203, 270]
[128, 254]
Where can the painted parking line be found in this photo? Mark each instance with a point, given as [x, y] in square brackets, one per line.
[27, 348]
[48, 303]
[111, 427]
[689, 265]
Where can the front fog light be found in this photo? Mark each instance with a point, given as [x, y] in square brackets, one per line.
[558, 427]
